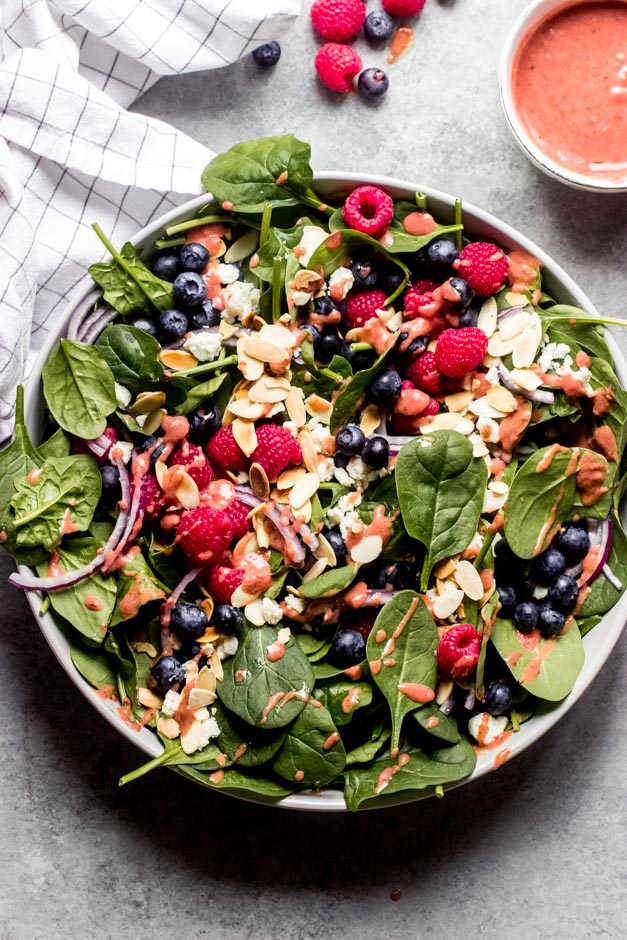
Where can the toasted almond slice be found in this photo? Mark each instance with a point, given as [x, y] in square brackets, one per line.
[310, 455]
[445, 421]
[324, 550]
[445, 568]
[190, 738]
[447, 603]
[187, 492]
[149, 698]
[242, 247]
[316, 569]
[479, 446]
[469, 580]
[227, 330]
[209, 636]
[525, 378]
[200, 698]
[142, 647]
[367, 550]
[319, 407]
[483, 409]
[303, 489]
[443, 690]
[458, 402]
[485, 597]
[275, 409]
[303, 513]
[492, 502]
[153, 421]
[513, 326]
[206, 680]
[309, 281]
[261, 532]
[278, 381]
[217, 249]
[499, 488]
[262, 392]
[289, 477]
[263, 350]
[240, 597]
[295, 405]
[161, 469]
[216, 665]
[168, 728]
[432, 345]
[499, 347]
[488, 316]
[254, 612]
[178, 359]
[515, 299]
[299, 298]
[251, 368]
[147, 402]
[245, 435]
[251, 410]
[501, 399]
[284, 634]
[490, 361]
[279, 335]
[259, 482]
[465, 426]
[370, 419]
[526, 345]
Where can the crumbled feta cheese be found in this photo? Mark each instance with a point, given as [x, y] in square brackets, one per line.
[485, 728]
[360, 473]
[349, 501]
[342, 476]
[292, 427]
[205, 345]
[334, 515]
[122, 395]
[228, 273]
[552, 355]
[241, 298]
[271, 610]
[343, 279]
[190, 668]
[350, 518]
[242, 478]
[319, 433]
[488, 429]
[201, 714]
[207, 649]
[171, 703]
[326, 469]
[230, 645]
[494, 497]
[295, 603]
[492, 376]
[209, 729]
[125, 449]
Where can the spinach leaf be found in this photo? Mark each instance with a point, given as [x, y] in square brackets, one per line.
[231, 779]
[16, 462]
[173, 755]
[488, 617]
[312, 645]
[127, 284]
[266, 694]
[89, 604]
[403, 241]
[586, 624]
[272, 170]
[353, 396]
[436, 723]
[567, 313]
[61, 500]
[209, 389]
[413, 770]
[322, 670]
[547, 667]
[329, 582]
[603, 376]
[79, 388]
[603, 595]
[96, 666]
[279, 245]
[440, 489]
[132, 355]
[342, 699]
[367, 751]
[401, 655]
[57, 445]
[137, 586]
[332, 252]
[578, 336]
[312, 753]
[244, 745]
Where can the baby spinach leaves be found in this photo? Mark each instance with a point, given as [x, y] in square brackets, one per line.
[436, 723]
[603, 595]
[231, 779]
[352, 397]
[547, 667]
[16, 461]
[342, 699]
[96, 666]
[264, 693]
[132, 356]
[312, 753]
[137, 586]
[79, 388]
[127, 283]
[440, 491]
[401, 655]
[248, 746]
[62, 499]
[329, 582]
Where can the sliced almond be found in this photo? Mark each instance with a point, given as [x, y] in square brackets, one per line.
[245, 435]
[499, 488]
[465, 426]
[447, 603]
[261, 532]
[216, 665]
[284, 634]
[304, 512]
[259, 483]
[242, 247]
[241, 598]
[498, 347]
[227, 330]
[251, 410]
[278, 335]
[153, 421]
[290, 477]
[168, 728]
[483, 409]
[142, 647]
[444, 568]
[262, 392]
[303, 489]
[216, 249]
[490, 361]
[512, 326]
[147, 402]
[526, 345]
[207, 606]
[443, 691]
[178, 359]
[200, 698]
[161, 469]
[319, 407]
[278, 381]
[469, 580]
[324, 550]
[254, 612]
[295, 405]
[263, 350]
[515, 299]
[275, 410]
[190, 738]
[316, 569]
[206, 680]
[367, 550]
[370, 419]
[525, 378]
[149, 698]
[309, 281]
[251, 368]
[187, 492]
[310, 455]
[479, 446]
[488, 316]
[501, 399]
[487, 594]
[445, 421]
[458, 402]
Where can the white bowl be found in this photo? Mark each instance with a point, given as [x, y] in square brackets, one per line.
[598, 643]
[537, 11]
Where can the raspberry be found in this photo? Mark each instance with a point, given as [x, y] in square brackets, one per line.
[223, 581]
[424, 372]
[419, 295]
[338, 20]
[362, 306]
[276, 449]
[204, 534]
[484, 266]
[193, 460]
[406, 383]
[460, 351]
[150, 496]
[458, 651]
[224, 449]
[432, 409]
[368, 209]
[337, 66]
[403, 7]
[237, 512]
[364, 622]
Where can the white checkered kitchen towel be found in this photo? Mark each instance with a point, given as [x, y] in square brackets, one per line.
[71, 154]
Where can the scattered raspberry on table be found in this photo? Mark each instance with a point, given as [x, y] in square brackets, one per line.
[338, 20]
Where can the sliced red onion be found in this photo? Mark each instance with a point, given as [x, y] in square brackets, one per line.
[176, 592]
[611, 577]
[507, 312]
[84, 314]
[471, 697]
[99, 446]
[600, 532]
[447, 707]
[575, 570]
[378, 598]
[542, 396]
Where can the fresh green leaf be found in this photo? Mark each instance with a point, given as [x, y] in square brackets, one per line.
[128, 286]
[603, 595]
[437, 724]
[132, 356]
[96, 666]
[366, 752]
[353, 395]
[79, 388]
[244, 745]
[173, 755]
[342, 699]
[16, 462]
[57, 445]
[312, 753]
[137, 586]
[205, 390]
[329, 582]
[547, 667]
[231, 779]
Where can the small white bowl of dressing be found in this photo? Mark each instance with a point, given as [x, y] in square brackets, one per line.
[563, 86]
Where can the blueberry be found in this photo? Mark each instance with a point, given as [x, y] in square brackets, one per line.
[205, 315]
[189, 289]
[469, 317]
[365, 274]
[323, 305]
[525, 616]
[155, 447]
[188, 620]
[143, 323]
[328, 346]
[507, 565]
[376, 453]
[359, 359]
[267, 55]
[573, 542]
[350, 440]
[385, 387]
[464, 291]
[168, 674]
[111, 489]
[187, 652]
[547, 566]
[393, 280]
[507, 597]
[173, 325]
[387, 577]
[498, 697]
[563, 593]
[441, 253]
[194, 257]
[166, 267]
[341, 460]
[417, 346]
[313, 331]
[372, 84]
[347, 649]
[227, 619]
[338, 545]
[204, 423]
[525, 590]
[551, 622]
[378, 27]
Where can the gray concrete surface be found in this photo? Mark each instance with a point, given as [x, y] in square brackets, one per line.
[534, 852]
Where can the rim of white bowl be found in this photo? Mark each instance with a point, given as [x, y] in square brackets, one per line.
[598, 644]
[531, 16]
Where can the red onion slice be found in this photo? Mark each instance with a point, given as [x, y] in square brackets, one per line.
[542, 396]
[611, 577]
[99, 446]
[600, 532]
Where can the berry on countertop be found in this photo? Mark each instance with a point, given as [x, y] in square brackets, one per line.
[368, 209]
[458, 651]
[225, 451]
[168, 674]
[188, 620]
[204, 534]
[350, 440]
[347, 649]
[425, 373]
[460, 351]
[172, 325]
[372, 84]
[337, 65]
[222, 582]
[378, 27]
[276, 449]
[484, 266]
[227, 619]
[403, 7]
[194, 257]
[267, 55]
[385, 387]
[498, 697]
[189, 289]
[166, 267]
[362, 306]
[338, 20]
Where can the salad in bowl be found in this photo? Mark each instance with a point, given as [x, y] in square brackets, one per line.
[325, 504]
